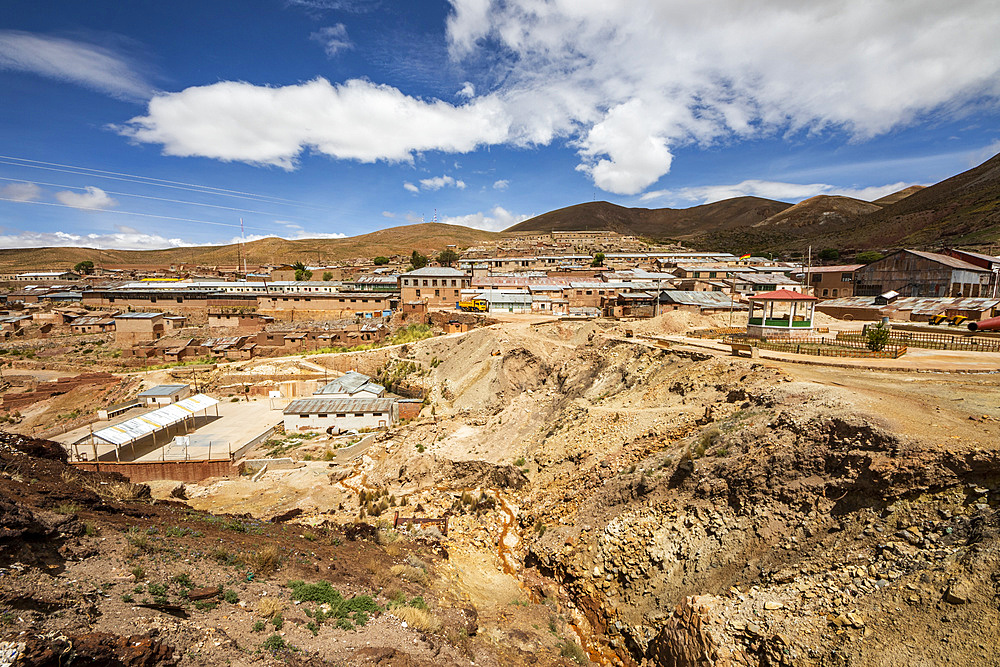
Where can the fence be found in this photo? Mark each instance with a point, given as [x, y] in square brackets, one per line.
[820, 347]
[930, 341]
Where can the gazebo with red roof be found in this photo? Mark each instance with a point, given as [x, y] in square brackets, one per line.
[780, 313]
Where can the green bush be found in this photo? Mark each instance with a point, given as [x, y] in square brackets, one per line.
[877, 337]
[274, 643]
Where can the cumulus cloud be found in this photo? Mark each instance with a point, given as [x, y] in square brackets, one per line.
[789, 192]
[298, 236]
[623, 82]
[502, 184]
[21, 192]
[628, 82]
[495, 220]
[91, 199]
[333, 38]
[96, 67]
[357, 120]
[125, 238]
[410, 187]
[439, 182]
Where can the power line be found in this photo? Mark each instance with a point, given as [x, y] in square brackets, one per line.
[173, 201]
[144, 215]
[148, 180]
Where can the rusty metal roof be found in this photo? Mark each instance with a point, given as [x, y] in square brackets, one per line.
[917, 304]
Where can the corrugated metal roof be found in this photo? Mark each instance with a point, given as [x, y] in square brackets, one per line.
[138, 427]
[137, 316]
[165, 390]
[92, 320]
[351, 383]
[917, 304]
[953, 262]
[704, 299]
[304, 406]
[438, 271]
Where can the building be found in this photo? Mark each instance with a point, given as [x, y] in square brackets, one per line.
[909, 308]
[501, 301]
[46, 277]
[340, 414]
[439, 286]
[298, 307]
[754, 283]
[918, 273]
[92, 324]
[780, 313]
[132, 328]
[165, 394]
[831, 282]
[351, 385]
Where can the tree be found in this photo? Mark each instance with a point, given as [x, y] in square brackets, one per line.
[829, 254]
[418, 261]
[868, 256]
[301, 272]
[327, 276]
[598, 259]
[380, 261]
[86, 267]
[877, 337]
[447, 257]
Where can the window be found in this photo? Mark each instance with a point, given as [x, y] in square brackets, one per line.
[817, 277]
[437, 293]
[452, 283]
[322, 415]
[846, 277]
[425, 283]
[418, 292]
[826, 292]
[376, 414]
[834, 292]
[434, 283]
[303, 416]
[341, 415]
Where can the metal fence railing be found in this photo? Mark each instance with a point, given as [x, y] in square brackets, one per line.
[930, 341]
[819, 346]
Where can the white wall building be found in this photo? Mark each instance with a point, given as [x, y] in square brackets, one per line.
[340, 414]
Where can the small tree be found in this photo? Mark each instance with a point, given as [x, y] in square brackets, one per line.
[327, 276]
[380, 261]
[869, 256]
[301, 272]
[598, 259]
[86, 267]
[447, 257]
[877, 337]
[418, 261]
[829, 254]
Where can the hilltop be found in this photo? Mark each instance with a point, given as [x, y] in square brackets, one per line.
[656, 223]
[426, 237]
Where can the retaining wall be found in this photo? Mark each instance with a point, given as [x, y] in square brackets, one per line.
[181, 471]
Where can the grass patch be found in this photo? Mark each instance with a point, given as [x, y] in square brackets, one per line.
[345, 612]
[263, 562]
[274, 643]
[67, 508]
[418, 619]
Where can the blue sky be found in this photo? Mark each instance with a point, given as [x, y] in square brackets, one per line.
[150, 124]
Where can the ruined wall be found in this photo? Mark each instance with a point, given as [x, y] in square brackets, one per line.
[182, 471]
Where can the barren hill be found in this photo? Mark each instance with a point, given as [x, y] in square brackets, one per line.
[820, 210]
[899, 196]
[427, 238]
[657, 223]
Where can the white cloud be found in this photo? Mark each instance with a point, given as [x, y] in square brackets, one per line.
[468, 90]
[495, 220]
[125, 238]
[21, 192]
[333, 38]
[410, 187]
[789, 192]
[502, 184]
[439, 182]
[389, 214]
[92, 199]
[357, 120]
[628, 81]
[319, 6]
[96, 67]
[298, 236]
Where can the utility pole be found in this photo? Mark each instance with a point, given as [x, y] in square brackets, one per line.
[808, 271]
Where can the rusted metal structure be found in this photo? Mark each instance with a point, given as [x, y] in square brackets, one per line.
[918, 273]
[992, 324]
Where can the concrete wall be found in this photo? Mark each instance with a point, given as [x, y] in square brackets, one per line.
[355, 421]
[182, 471]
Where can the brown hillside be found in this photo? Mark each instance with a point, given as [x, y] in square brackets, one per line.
[899, 196]
[427, 238]
[821, 210]
[964, 209]
[661, 223]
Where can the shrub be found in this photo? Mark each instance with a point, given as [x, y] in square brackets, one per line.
[278, 621]
[418, 619]
[570, 649]
[877, 337]
[230, 596]
[67, 508]
[274, 643]
[258, 626]
[263, 562]
[268, 607]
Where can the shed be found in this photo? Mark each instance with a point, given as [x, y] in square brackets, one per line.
[340, 414]
[165, 394]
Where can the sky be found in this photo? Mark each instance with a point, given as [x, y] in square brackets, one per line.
[148, 124]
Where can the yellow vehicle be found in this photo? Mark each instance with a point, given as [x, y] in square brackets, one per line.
[474, 306]
[957, 320]
[938, 319]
